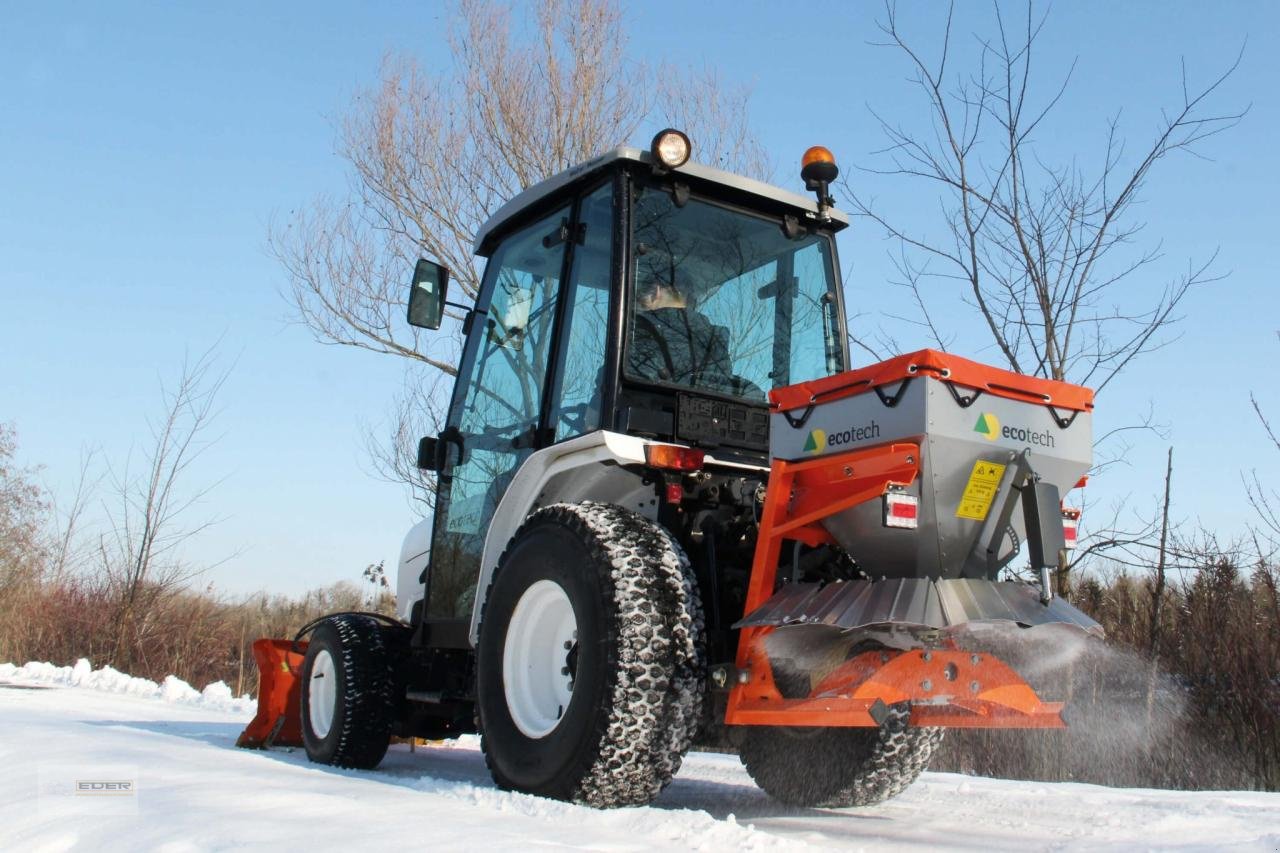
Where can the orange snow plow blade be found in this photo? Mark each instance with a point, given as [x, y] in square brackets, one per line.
[279, 720]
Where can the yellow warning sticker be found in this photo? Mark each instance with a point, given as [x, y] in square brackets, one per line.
[980, 491]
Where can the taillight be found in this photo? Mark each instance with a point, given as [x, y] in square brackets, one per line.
[1070, 527]
[901, 510]
[672, 457]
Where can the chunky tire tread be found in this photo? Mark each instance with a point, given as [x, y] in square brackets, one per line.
[652, 700]
[839, 767]
[902, 753]
[366, 705]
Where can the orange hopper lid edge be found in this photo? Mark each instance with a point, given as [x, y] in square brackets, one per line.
[938, 365]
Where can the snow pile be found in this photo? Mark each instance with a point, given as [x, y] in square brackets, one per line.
[174, 690]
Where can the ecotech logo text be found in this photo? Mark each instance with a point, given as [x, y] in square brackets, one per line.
[819, 439]
[990, 428]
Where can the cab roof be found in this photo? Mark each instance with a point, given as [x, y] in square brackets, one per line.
[805, 206]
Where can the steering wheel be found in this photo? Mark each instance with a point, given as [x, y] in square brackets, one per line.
[743, 387]
[576, 417]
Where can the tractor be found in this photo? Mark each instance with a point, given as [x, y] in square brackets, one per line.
[670, 511]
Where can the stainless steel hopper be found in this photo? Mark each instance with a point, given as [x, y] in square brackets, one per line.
[986, 438]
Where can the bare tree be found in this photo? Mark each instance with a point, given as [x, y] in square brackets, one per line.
[148, 520]
[1264, 500]
[1041, 252]
[392, 449]
[23, 505]
[1161, 567]
[68, 549]
[432, 155]
[23, 511]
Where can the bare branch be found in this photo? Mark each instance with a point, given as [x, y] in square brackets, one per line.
[147, 520]
[533, 90]
[1043, 252]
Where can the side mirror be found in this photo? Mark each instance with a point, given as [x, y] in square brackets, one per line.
[426, 294]
[429, 454]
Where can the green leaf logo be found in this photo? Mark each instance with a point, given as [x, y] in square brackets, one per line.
[816, 442]
[988, 426]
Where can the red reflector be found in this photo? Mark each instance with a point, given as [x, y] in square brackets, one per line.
[675, 493]
[1070, 527]
[673, 457]
[901, 510]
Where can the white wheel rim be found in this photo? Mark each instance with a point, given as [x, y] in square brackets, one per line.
[535, 659]
[322, 693]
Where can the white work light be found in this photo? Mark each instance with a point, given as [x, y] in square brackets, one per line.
[671, 148]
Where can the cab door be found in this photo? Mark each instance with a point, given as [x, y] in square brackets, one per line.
[496, 415]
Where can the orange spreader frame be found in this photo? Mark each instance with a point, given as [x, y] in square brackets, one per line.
[946, 687]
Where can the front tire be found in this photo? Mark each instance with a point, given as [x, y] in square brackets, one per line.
[348, 693]
[590, 663]
[839, 767]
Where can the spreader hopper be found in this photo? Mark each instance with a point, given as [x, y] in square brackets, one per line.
[931, 472]
[982, 433]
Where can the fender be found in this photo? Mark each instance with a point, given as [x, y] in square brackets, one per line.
[415, 553]
[589, 467]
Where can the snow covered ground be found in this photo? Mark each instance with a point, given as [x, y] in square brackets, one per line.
[196, 791]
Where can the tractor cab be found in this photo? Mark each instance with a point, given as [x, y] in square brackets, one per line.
[649, 298]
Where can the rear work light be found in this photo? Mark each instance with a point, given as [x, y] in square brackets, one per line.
[672, 457]
[901, 510]
[1070, 527]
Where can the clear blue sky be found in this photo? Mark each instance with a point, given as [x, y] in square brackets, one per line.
[144, 148]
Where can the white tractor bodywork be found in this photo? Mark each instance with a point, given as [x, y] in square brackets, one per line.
[591, 467]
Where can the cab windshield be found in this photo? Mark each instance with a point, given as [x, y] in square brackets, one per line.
[724, 301]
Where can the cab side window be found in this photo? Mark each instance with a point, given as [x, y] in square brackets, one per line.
[575, 408]
[498, 411]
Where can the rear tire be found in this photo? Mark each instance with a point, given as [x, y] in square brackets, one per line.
[348, 693]
[839, 767]
[605, 715]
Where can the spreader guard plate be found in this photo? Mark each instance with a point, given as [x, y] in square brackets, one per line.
[913, 602]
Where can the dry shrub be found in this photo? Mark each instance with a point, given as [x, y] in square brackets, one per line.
[197, 635]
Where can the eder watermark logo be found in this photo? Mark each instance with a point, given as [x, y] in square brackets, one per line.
[72, 790]
[988, 426]
[816, 442]
[104, 788]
